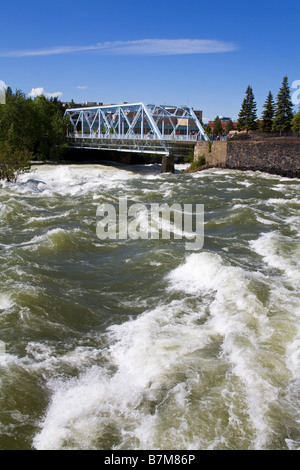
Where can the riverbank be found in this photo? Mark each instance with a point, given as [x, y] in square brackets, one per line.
[273, 157]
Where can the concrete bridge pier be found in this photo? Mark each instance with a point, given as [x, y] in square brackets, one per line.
[167, 164]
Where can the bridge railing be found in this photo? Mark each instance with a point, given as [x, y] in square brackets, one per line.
[176, 137]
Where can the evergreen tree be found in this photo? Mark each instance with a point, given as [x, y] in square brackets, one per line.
[284, 109]
[268, 114]
[296, 123]
[218, 129]
[207, 129]
[247, 119]
[229, 127]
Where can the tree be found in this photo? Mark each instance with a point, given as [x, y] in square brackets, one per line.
[35, 125]
[218, 129]
[268, 114]
[284, 109]
[18, 125]
[247, 119]
[51, 130]
[13, 161]
[229, 127]
[207, 129]
[296, 123]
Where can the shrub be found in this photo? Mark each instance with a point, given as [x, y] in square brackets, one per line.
[198, 163]
[13, 161]
[241, 137]
[190, 157]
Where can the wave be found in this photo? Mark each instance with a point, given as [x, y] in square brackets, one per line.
[202, 351]
[53, 240]
[280, 252]
[157, 362]
[5, 302]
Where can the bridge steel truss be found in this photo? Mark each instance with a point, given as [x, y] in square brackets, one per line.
[134, 127]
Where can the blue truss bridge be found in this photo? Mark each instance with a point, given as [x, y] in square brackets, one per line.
[135, 127]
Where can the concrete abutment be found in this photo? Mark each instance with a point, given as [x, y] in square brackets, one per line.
[167, 164]
[215, 153]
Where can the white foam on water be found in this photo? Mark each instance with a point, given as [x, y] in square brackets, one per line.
[145, 353]
[154, 362]
[43, 357]
[282, 201]
[72, 180]
[242, 321]
[273, 247]
[5, 302]
[43, 219]
[283, 254]
[292, 444]
[264, 221]
[246, 183]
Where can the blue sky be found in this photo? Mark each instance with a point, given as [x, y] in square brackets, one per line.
[200, 53]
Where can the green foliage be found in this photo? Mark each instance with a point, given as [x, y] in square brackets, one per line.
[51, 136]
[240, 137]
[268, 114]
[284, 109]
[208, 130]
[17, 121]
[296, 123]
[13, 161]
[218, 129]
[229, 127]
[198, 163]
[247, 119]
[190, 157]
[37, 126]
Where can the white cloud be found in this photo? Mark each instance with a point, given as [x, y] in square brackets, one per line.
[40, 91]
[140, 47]
[82, 87]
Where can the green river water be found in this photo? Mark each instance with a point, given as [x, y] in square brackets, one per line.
[142, 344]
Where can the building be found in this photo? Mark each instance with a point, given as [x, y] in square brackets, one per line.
[224, 121]
[85, 104]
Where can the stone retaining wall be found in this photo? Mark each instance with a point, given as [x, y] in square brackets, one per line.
[282, 158]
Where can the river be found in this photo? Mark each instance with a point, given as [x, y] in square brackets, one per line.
[143, 344]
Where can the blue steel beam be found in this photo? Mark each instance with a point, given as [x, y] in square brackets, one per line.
[129, 121]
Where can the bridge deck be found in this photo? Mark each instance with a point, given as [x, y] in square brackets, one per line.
[147, 144]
